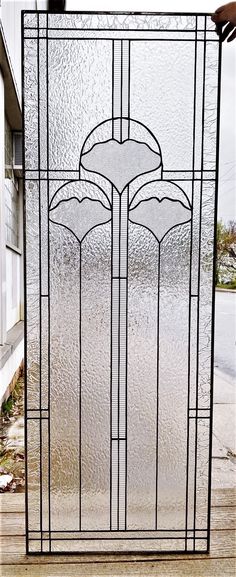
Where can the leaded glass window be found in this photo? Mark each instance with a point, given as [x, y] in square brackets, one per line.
[120, 185]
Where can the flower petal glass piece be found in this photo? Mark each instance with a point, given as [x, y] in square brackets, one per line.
[79, 216]
[160, 189]
[122, 162]
[79, 189]
[160, 216]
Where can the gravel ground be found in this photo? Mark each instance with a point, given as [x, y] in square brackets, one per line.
[12, 466]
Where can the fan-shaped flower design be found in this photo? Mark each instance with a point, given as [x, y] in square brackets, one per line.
[160, 206]
[122, 162]
[80, 206]
[157, 205]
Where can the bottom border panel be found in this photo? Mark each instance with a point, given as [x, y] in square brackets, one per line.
[138, 545]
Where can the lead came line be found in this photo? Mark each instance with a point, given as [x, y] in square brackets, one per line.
[80, 387]
[213, 294]
[40, 308]
[49, 305]
[190, 295]
[121, 39]
[127, 268]
[25, 293]
[199, 286]
[158, 371]
[111, 312]
[118, 354]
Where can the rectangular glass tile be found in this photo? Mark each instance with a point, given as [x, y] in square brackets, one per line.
[43, 103]
[44, 232]
[33, 475]
[210, 106]
[202, 473]
[122, 21]
[30, 92]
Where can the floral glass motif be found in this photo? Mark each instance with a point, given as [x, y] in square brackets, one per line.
[120, 172]
[120, 163]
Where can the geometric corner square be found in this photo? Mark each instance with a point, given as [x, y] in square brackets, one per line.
[190, 545]
[200, 22]
[45, 546]
[200, 35]
[35, 546]
[42, 20]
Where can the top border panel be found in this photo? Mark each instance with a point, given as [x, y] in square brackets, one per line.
[117, 20]
[119, 13]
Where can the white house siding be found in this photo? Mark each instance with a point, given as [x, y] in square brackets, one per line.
[11, 191]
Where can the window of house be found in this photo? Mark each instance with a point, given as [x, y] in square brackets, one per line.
[11, 192]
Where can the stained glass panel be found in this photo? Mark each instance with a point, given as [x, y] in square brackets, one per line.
[120, 169]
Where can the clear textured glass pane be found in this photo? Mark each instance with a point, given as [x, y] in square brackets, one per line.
[206, 280]
[119, 34]
[142, 380]
[35, 546]
[33, 475]
[171, 99]
[30, 20]
[45, 476]
[64, 379]
[122, 545]
[173, 377]
[43, 103]
[31, 88]
[210, 108]
[44, 236]
[44, 351]
[123, 21]
[202, 473]
[33, 352]
[199, 87]
[69, 125]
[32, 273]
[32, 238]
[95, 379]
[120, 161]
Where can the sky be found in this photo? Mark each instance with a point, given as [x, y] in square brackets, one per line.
[227, 169]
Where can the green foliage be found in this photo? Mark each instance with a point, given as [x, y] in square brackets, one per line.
[230, 285]
[7, 406]
[226, 255]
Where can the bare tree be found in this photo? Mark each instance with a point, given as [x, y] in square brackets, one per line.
[226, 252]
